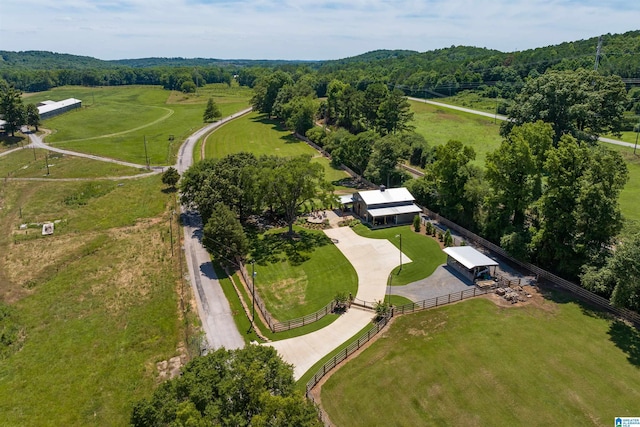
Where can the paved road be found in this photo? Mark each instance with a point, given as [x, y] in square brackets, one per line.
[36, 141]
[501, 117]
[213, 308]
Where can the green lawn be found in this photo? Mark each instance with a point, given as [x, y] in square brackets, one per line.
[439, 125]
[424, 252]
[630, 195]
[30, 163]
[262, 136]
[300, 277]
[98, 300]
[257, 134]
[474, 363]
[115, 121]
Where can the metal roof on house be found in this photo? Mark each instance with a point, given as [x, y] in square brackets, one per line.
[394, 210]
[346, 199]
[469, 257]
[389, 195]
[57, 105]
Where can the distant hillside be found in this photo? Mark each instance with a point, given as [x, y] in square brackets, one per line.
[437, 72]
[42, 60]
[201, 62]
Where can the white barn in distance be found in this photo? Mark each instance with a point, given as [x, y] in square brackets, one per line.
[48, 109]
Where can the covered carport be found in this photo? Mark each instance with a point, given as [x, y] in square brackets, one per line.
[469, 262]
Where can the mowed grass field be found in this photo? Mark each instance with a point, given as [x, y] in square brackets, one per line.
[259, 135]
[474, 363]
[116, 121]
[439, 125]
[630, 195]
[32, 163]
[97, 301]
[298, 277]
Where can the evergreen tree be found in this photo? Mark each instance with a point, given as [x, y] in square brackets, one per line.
[211, 112]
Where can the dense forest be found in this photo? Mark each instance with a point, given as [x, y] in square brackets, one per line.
[439, 72]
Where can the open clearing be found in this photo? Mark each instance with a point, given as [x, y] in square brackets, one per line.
[439, 125]
[476, 363]
[97, 301]
[115, 121]
[32, 163]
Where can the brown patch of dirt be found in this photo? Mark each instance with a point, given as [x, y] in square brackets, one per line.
[169, 369]
[24, 262]
[536, 300]
[292, 290]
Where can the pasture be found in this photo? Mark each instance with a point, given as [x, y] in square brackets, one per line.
[439, 125]
[38, 163]
[97, 301]
[475, 363]
[116, 121]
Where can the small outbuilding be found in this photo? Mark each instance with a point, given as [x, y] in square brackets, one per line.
[469, 262]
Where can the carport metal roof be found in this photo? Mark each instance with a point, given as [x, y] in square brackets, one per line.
[469, 257]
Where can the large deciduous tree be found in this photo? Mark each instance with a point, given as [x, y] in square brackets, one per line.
[32, 116]
[452, 175]
[578, 214]
[582, 103]
[246, 387]
[619, 279]
[386, 155]
[291, 182]
[224, 236]
[11, 107]
[231, 180]
[266, 90]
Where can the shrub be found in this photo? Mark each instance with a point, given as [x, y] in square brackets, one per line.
[416, 223]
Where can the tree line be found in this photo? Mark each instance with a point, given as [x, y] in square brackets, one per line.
[14, 112]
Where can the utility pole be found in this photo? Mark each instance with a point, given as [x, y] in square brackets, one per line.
[46, 162]
[171, 231]
[146, 155]
[598, 52]
[637, 133]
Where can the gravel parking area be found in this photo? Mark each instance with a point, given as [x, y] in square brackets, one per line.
[443, 281]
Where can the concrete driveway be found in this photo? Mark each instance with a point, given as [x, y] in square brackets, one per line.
[373, 260]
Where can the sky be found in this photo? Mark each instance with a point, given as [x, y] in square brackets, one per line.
[302, 29]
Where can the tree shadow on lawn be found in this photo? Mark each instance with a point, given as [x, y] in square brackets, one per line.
[276, 247]
[11, 141]
[277, 126]
[627, 339]
[624, 336]
[560, 296]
